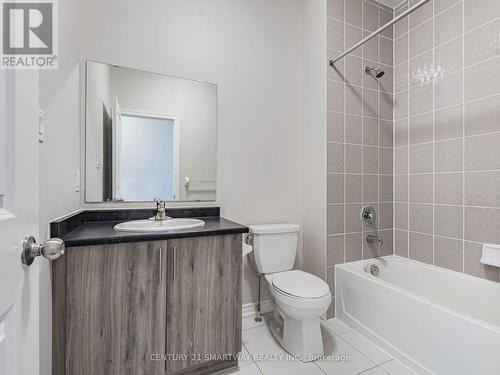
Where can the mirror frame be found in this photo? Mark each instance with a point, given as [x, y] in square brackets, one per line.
[83, 179]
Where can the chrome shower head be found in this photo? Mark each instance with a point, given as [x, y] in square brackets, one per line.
[377, 73]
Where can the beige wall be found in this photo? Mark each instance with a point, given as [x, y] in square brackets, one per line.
[447, 134]
[313, 139]
[359, 135]
[59, 155]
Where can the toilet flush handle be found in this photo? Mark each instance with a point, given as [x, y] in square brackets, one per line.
[249, 239]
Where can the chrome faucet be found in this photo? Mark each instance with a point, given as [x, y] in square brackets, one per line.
[161, 214]
[374, 239]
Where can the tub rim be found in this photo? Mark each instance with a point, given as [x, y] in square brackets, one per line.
[350, 268]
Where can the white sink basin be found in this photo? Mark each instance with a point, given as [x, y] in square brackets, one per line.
[158, 226]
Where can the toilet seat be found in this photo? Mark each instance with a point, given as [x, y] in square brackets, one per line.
[299, 285]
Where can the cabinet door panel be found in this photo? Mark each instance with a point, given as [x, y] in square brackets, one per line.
[116, 309]
[203, 300]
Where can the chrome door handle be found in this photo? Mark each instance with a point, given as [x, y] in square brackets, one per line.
[51, 250]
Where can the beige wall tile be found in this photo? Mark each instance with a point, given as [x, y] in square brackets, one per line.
[335, 8]
[353, 129]
[449, 24]
[401, 188]
[421, 218]
[482, 43]
[448, 58]
[421, 188]
[482, 189]
[354, 247]
[481, 225]
[386, 188]
[449, 188]
[449, 156]
[335, 153]
[354, 188]
[335, 127]
[482, 152]
[478, 15]
[448, 221]
[482, 116]
[335, 219]
[335, 188]
[370, 188]
[401, 243]
[421, 247]
[421, 158]
[448, 253]
[354, 157]
[401, 215]
[448, 123]
[335, 34]
[421, 38]
[421, 128]
[335, 96]
[335, 250]
[472, 254]
[353, 218]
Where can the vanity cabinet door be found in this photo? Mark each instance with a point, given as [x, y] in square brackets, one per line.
[203, 303]
[115, 316]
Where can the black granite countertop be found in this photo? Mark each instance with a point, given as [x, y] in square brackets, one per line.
[77, 231]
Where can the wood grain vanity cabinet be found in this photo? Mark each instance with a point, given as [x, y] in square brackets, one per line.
[116, 306]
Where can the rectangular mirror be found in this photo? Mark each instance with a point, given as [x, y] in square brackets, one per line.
[148, 136]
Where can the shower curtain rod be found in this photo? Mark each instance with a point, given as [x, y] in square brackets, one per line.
[375, 33]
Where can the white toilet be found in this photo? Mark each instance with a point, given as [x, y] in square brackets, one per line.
[301, 298]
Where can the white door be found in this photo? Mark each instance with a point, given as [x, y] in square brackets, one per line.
[19, 354]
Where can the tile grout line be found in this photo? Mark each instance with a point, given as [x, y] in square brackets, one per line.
[433, 135]
[463, 140]
[363, 135]
[408, 137]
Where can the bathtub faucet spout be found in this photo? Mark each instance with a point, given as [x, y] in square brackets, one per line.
[374, 239]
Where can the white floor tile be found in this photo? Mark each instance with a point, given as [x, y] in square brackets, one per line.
[249, 323]
[395, 367]
[244, 357]
[260, 342]
[242, 370]
[289, 367]
[366, 347]
[374, 371]
[343, 359]
[336, 326]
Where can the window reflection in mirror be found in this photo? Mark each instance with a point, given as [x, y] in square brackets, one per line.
[148, 136]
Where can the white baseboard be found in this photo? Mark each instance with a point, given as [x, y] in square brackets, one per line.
[248, 309]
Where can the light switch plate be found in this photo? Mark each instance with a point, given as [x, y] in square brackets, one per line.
[41, 126]
[77, 181]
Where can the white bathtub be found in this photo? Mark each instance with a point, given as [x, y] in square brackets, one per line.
[434, 320]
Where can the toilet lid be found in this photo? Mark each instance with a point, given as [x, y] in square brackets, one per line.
[300, 284]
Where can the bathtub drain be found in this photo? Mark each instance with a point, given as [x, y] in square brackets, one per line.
[374, 270]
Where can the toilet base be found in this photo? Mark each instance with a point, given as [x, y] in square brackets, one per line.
[300, 338]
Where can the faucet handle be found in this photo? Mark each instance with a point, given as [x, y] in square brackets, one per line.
[160, 204]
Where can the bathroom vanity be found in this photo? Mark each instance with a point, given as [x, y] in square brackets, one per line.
[146, 303]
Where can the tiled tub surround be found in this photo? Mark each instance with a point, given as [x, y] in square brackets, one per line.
[360, 133]
[447, 134]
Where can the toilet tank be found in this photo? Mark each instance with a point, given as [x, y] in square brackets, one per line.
[274, 247]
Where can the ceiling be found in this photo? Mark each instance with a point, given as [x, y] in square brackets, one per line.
[390, 3]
